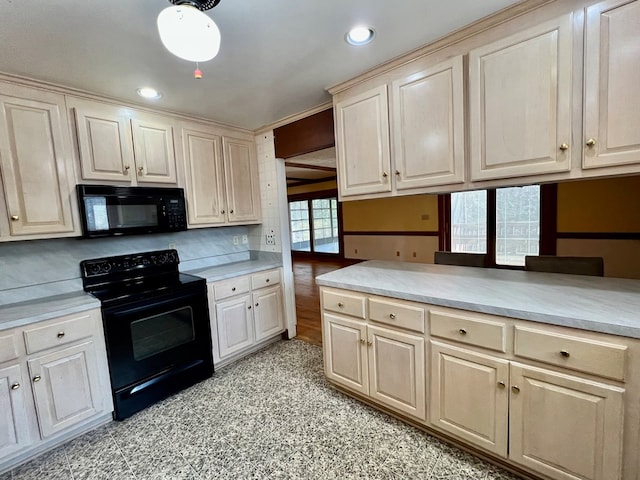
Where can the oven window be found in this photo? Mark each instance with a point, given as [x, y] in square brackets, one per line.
[159, 333]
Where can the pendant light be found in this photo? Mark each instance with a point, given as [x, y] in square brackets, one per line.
[189, 33]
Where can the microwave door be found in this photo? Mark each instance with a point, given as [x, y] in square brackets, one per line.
[132, 212]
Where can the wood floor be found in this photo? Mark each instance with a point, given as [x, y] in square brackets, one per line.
[305, 271]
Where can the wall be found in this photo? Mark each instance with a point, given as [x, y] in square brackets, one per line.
[36, 268]
[398, 228]
[602, 218]
[313, 187]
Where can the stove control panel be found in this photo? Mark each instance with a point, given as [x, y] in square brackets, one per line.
[123, 264]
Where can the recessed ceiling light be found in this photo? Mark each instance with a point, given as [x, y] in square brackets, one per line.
[360, 35]
[150, 93]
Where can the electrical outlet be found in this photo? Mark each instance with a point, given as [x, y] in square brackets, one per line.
[245, 239]
[236, 240]
[271, 239]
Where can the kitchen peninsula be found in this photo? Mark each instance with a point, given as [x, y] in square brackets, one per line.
[540, 371]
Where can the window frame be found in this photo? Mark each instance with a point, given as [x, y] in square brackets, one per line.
[548, 223]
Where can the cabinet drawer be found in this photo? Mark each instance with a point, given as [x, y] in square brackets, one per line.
[582, 354]
[344, 303]
[397, 314]
[466, 329]
[61, 332]
[264, 279]
[231, 287]
[8, 346]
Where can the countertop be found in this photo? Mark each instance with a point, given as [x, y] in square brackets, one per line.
[606, 305]
[47, 307]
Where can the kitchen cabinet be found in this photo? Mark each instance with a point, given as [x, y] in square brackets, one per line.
[385, 364]
[120, 144]
[247, 312]
[521, 116]
[611, 99]
[36, 165]
[54, 386]
[221, 178]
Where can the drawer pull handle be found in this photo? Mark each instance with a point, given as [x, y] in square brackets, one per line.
[565, 354]
[501, 384]
[233, 289]
[392, 316]
[15, 386]
[340, 305]
[60, 334]
[462, 331]
[267, 280]
[369, 344]
[37, 378]
[515, 389]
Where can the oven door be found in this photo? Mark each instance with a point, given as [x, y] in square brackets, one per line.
[152, 339]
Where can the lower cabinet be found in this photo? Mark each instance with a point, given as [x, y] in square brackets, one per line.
[548, 400]
[54, 384]
[246, 311]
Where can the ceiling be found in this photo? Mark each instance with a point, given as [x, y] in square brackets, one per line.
[276, 59]
[314, 167]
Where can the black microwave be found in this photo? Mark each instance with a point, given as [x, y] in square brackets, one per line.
[107, 210]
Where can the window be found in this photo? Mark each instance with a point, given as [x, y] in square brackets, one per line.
[504, 223]
[314, 225]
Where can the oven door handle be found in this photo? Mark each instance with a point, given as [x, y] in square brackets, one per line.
[170, 372]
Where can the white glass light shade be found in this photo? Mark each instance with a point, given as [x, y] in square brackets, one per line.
[189, 33]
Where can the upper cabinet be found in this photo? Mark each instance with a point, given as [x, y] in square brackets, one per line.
[407, 140]
[120, 144]
[520, 90]
[362, 140]
[611, 95]
[221, 177]
[36, 164]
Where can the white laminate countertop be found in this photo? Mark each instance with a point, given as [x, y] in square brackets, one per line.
[607, 305]
[44, 308]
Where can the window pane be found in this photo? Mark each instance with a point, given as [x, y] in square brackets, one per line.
[517, 224]
[325, 225]
[469, 222]
[299, 221]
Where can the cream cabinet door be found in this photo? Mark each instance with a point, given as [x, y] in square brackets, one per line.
[242, 184]
[66, 387]
[234, 325]
[268, 312]
[204, 177]
[396, 370]
[153, 149]
[612, 71]
[520, 103]
[345, 353]
[14, 394]
[104, 141]
[565, 427]
[362, 141]
[35, 161]
[428, 126]
[469, 397]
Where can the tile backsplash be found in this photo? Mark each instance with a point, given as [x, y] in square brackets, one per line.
[36, 268]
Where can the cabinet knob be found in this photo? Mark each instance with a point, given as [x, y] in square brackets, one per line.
[591, 142]
[223, 212]
[140, 170]
[60, 334]
[363, 341]
[385, 174]
[515, 389]
[501, 384]
[340, 305]
[233, 289]
[15, 218]
[564, 146]
[462, 331]
[392, 316]
[126, 169]
[257, 304]
[15, 386]
[267, 280]
[369, 343]
[397, 173]
[231, 211]
[249, 307]
[37, 378]
[565, 354]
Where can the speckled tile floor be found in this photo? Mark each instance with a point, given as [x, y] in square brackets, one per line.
[271, 415]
